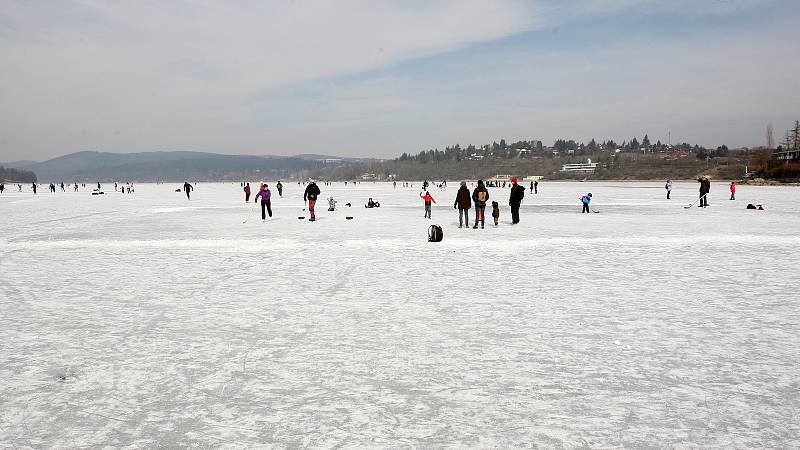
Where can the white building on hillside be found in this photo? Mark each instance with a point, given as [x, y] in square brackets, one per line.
[587, 167]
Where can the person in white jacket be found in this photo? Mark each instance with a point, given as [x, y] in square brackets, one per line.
[668, 187]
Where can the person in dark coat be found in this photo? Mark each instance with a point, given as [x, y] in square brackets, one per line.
[480, 196]
[310, 195]
[705, 188]
[188, 188]
[515, 200]
[463, 203]
[247, 193]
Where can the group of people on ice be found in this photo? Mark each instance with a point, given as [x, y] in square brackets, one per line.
[705, 188]
[480, 197]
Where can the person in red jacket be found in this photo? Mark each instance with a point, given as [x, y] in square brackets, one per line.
[733, 190]
[247, 193]
[428, 199]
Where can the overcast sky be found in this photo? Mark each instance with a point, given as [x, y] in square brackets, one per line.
[377, 78]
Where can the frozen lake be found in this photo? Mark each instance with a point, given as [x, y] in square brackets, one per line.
[148, 320]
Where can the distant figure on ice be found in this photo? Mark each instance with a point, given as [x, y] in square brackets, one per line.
[480, 196]
[372, 204]
[115, 187]
[34, 188]
[188, 189]
[705, 188]
[531, 187]
[63, 189]
[331, 204]
[755, 206]
[536, 186]
[428, 199]
[98, 185]
[515, 200]
[310, 195]
[266, 204]
[76, 187]
[586, 199]
[394, 184]
[247, 193]
[463, 203]
[496, 213]
[668, 187]
[2, 188]
[733, 190]
[280, 189]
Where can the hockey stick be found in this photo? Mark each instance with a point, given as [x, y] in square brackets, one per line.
[692, 204]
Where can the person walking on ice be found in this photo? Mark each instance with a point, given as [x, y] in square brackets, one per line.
[186, 187]
[247, 193]
[310, 196]
[463, 203]
[480, 196]
[586, 199]
[280, 189]
[428, 199]
[733, 190]
[496, 214]
[668, 187]
[266, 205]
[535, 186]
[515, 200]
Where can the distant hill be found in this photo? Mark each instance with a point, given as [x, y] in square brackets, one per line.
[169, 166]
[17, 164]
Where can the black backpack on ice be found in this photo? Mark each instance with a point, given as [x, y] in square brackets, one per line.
[435, 233]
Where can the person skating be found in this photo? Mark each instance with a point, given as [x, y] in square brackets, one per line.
[536, 186]
[479, 197]
[705, 188]
[188, 189]
[733, 190]
[515, 200]
[668, 187]
[310, 195]
[266, 205]
[463, 203]
[428, 199]
[247, 193]
[585, 200]
[331, 204]
[496, 213]
[280, 189]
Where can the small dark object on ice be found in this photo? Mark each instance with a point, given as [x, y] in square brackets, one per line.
[301, 217]
[435, 233]
[347, 204]
[349, 217]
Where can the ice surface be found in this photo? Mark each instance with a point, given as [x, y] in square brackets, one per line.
[148, 320]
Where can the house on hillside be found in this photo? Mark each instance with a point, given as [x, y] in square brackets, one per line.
[787, 155]
[587, 167]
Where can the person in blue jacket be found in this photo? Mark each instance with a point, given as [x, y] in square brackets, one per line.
[585, 200]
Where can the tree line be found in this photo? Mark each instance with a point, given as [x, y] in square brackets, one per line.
[561, 147]
[9, 175]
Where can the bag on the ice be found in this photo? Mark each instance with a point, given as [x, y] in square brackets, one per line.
[435, 233]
